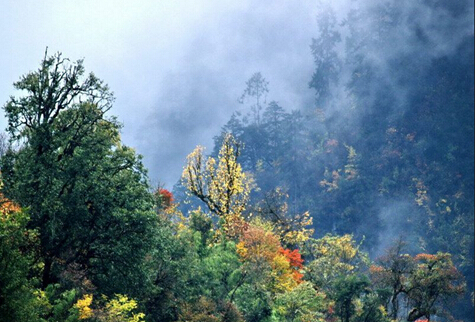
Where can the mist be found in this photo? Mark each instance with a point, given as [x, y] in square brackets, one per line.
[176, 68]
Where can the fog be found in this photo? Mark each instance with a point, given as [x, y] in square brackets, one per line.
[176, 67]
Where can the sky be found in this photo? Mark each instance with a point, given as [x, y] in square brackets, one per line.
[176, 67]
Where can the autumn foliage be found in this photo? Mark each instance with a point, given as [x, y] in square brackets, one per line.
[425, 280]
[262, 250]
[294, 257]
[164, 198]
[7, 207]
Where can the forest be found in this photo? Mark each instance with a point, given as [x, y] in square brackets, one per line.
[359, 208]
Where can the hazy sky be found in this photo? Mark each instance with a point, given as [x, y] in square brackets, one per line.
[176, 67]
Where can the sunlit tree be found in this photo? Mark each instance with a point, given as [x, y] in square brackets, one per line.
[333, 257]
[220, 183]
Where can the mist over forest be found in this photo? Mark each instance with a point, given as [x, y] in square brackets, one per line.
[268, 162]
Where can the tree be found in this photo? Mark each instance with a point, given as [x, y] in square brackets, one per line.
[301, 304]
[256, 88]
[291, 228]
[392, 272]
[327, 62]
[425, 281]
[204, 310]
[333, 257]
[220, 184]
[86, 192]
[163, 198]
[175, 272]
[346, 290]
[258, 245]
[222, 271]
[434, 279]
[372, 309]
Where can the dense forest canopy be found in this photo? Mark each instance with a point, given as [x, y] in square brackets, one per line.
[358, 208]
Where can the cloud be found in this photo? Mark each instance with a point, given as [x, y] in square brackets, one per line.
[177, 67]
[200, 93]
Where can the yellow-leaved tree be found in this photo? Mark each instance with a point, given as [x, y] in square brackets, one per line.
[220, 183]
[118, 309]
[333, 257]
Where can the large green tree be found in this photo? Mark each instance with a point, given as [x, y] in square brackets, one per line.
[86, 192]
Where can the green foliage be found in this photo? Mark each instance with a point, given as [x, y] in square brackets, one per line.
[173, 271]
[254, 302]
[372, 309]
[203, 225]
[85, 191]
[345, 293]
[222, 270]
[17, 254]
[333, 257]
[58, 305]
[301, 304]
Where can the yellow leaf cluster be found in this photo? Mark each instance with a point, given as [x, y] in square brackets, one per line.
[339, 247]
[220, 183]
[334, 255]
[121, 309]
[7, 207]
[282, 275]
[422, 198]
[241, 249]
[83, 305]
[299, 232]
[118, 309]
